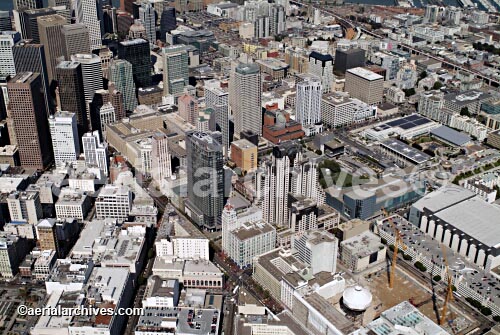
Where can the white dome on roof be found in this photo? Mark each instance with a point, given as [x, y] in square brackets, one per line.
[357, 298]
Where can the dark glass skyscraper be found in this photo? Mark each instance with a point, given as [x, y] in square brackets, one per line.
[167, 22]
[205, 161]
[27, 110]
[30, 57]
[5, 21]
[71, 92]
[137, 53]
[29, 24]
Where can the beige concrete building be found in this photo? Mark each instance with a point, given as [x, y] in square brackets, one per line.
[244, 155]
[364, 85]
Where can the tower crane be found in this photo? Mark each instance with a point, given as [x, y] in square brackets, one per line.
[398, 241]
[449, 289]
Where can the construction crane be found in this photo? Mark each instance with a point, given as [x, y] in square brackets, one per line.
[398, 241]
[449, 289]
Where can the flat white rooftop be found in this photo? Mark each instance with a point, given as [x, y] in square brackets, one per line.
[366, 74]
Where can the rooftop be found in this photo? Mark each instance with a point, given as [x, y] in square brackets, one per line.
[364, 73]
[451, 135]
[410, 153]
[362, 245]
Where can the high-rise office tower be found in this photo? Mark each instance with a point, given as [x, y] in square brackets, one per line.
[308, 105]
[64, 134]
[7, 41]
[86, 13]
[365, 85]
[321, 65]
[109, 20]
[168, 22]
[188, 108]
[46, 235]
[30, 57]
[205, 178]
[216, 97]
[25, 206]
[431, 13]
[121, 74]
[277, 18]
[76, 40]
[92, 73]
[27, 4]
[111, 95]
[49, 28]
[349, 59]
[262, 27]
[175, 69]
[137, 53]
[95, 151]
[106, 116]
[5, 20]
[162, 162]
[27, 24]
[247, 94]
[65, 12]
[71, 92]
[147, 17]
[106, 56]
[27, 110]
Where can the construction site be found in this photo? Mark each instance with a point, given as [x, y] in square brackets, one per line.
[404, 278]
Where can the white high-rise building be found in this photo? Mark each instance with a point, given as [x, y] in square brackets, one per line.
[120, 73]
[339, 110]
[262, 27]
[277, 18]
[25, 206]
[64, 134]
[107, 115]
[7, 41]
[216, 98]
[321, 65]
[304, 178]
[288, 171]
[86, 13]
[91, 72]
[113, 202]
[95, 151]
[162, 162]
[308, 102]
[246, 236]
[431, 13]
[274, 183]
[147, 17]
[247, 91]
[318, 249]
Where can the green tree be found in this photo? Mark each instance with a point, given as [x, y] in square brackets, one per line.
[436, 278]
[409, 92]
[465, 111]
[422, 75]
[437, 85]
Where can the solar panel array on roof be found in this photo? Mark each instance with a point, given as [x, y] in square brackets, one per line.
[382, 127]
[410, 153]
[405, 123]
